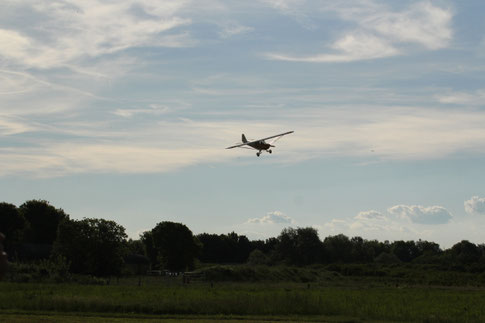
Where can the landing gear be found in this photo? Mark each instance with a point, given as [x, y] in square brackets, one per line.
[270, 151]
[258, 153]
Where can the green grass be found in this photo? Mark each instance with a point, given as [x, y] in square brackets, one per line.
[358, 301]
[53, 317]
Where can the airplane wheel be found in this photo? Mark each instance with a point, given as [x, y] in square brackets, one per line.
[257, 154]
[270, 151]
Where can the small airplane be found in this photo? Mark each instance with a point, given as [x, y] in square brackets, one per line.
[259, 144]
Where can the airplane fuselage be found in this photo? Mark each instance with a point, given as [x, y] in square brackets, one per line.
[260, 145]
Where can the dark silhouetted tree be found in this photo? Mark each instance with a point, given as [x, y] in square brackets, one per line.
[12, 224]
[224, 248]
[465, 252]
[300, 246]
[92, 246]
[213, 248]
[362, 251]
[175, 245]
[337, 249]
[43, 221]
[135, 247]
[428, 248]
[243, 248]
[406, 251]
[147, 239]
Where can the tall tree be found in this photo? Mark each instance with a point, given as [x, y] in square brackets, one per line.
[3, 258]
[465, 252]
[300, 246]
[337, 249]
[175, 245]
[12, 224]
[147, 239]
[92, 246]
[213, 249]
[43, 221]
[224, 248]
[405, 250]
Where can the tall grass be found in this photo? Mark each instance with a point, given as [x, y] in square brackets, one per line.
[364, 302]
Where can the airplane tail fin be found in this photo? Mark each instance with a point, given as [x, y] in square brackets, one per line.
[244, 138]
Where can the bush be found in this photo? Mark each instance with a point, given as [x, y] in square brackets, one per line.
[257, 257]
[48, 270]
[387, 258]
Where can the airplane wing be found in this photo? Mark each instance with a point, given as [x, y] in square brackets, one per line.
[275, 136]
[250, 142]
[240, 145]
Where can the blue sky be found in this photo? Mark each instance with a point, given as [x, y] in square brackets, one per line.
[122, 109]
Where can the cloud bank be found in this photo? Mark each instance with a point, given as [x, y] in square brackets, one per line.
[399, 222]
[420, 214]
[275, 217]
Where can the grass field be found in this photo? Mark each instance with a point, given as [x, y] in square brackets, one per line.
[233, 302]
[114, 318]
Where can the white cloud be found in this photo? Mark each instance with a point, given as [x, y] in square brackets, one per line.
[152, 109]
[469, 98]
[12, 127]
[351, 47]
[90, 28]
[410, 133]
[475, 206]
[153, 144]
[233, 28]
[64, 159]
[418, 224]
[381, 32]
[13, 44]
[421, 23]
[373, 228]
[25, 95]
[422, 215]
[370, 215]
[296, 9]
[335, 226]
[275, 217]
[389, 225]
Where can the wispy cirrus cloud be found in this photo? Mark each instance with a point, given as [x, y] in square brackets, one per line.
[9, 126]
[75, 158]
[422, 23]
[351, 47]
[73, 30]
[57, 107]
[162, 141]
[381, 31]
[296, 9]
[475, 98]
[152, 109]
[232, 28]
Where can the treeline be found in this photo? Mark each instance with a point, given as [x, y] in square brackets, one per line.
[37, 231]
